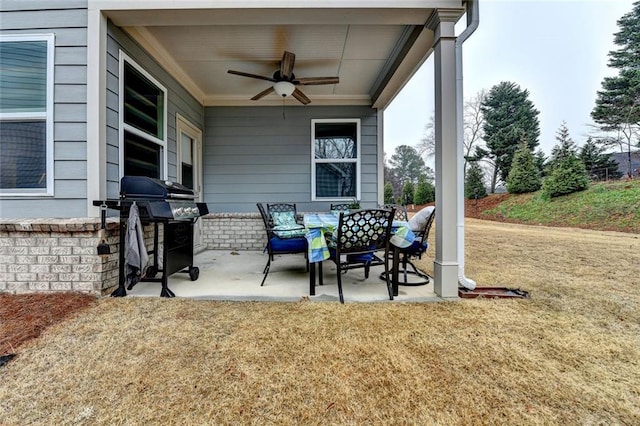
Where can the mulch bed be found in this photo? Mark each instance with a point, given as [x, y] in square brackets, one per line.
[24, 316]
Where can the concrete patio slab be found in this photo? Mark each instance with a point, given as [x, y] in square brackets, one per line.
[236, 275]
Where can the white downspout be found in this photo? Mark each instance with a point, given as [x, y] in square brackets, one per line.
[472, 23]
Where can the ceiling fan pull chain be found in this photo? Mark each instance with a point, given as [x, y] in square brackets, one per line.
[283, 117]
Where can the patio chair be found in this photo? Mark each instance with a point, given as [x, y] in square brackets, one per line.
[340, 207]
[281, 241]
[420, 224]
[356, 240]
[401, 211]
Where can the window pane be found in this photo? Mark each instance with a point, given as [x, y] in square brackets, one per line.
[143, 103]
[335, 140]
[186, 147]
[141, 157]
[23, 154]
[336, 180]
[187, 175]
[23, 76]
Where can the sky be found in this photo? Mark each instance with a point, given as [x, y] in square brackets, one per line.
[555, 49]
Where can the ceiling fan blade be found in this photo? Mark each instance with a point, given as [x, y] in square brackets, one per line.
[310, 81]
[263, 93]
[246, 74]
[286, 65]
[301, 97]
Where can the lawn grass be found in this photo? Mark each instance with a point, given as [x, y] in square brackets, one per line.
[569, 355]
[612, 206]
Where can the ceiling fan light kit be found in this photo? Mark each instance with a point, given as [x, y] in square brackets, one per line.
[285, 82]
[284, 88]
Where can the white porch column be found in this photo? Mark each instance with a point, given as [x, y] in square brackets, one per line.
[442, 22]
[96, 109]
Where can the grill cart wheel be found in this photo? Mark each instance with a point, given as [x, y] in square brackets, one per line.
[194, 273]
[152, 271]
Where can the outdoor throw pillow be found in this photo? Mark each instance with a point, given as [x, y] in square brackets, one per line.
[419, 220]
[283, 218]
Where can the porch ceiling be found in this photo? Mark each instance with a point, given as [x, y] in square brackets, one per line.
[374, 51]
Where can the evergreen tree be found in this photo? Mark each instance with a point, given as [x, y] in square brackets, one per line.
[566, 173]
[598, 164]
[474, 186]
[541, 161]
[407, 164]
[425, 192]
[524, 175]
[618, 103]
[407, 193]
[508, 116]
[388, 193]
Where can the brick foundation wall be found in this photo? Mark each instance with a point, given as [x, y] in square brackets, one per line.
[40, 255]
[233, 231]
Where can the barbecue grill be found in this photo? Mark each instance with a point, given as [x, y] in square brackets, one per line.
[159, 202]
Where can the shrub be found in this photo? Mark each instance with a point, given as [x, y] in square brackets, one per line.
[425, 192]
[567, 177]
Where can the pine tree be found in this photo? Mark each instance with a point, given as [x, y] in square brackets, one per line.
[618, 103]
[564, 148]
[509, 115]
[566, 173]
[407, 193]
[474, 186]
[388, 193]
[425, 192]
[598, 164]
[524, 175]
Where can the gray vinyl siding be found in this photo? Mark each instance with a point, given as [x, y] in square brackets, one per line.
[178, 101]
[253, 154]
[67, 20]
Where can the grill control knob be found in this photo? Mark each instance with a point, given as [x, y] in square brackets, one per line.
[179, 211]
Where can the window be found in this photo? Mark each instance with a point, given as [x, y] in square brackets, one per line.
[189, 152]
[26, 114]
[143, 106]
[335, 161]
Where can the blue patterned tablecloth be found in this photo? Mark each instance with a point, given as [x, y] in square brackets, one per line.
[318, 224]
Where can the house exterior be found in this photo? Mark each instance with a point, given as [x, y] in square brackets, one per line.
[628, 163]
[92, 90]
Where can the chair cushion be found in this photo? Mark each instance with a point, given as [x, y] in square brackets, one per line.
[353, 258]
[360, 258]
[337, 212]
[289, 231]
[416, 248]
[289, 244]
[283, 218]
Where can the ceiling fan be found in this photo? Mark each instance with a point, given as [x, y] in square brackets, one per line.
[285, 82]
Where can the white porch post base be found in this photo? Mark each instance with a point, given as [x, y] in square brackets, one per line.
[445, 279]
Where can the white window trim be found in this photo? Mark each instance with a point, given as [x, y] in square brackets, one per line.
[123, 57]
[315, 161]
[185, 126]
[47, 115]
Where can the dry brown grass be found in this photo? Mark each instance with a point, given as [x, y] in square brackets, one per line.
[568, 355]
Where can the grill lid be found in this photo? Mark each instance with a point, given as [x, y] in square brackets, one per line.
[150, 188]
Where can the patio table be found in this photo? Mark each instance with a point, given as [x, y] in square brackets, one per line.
[318, 224]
